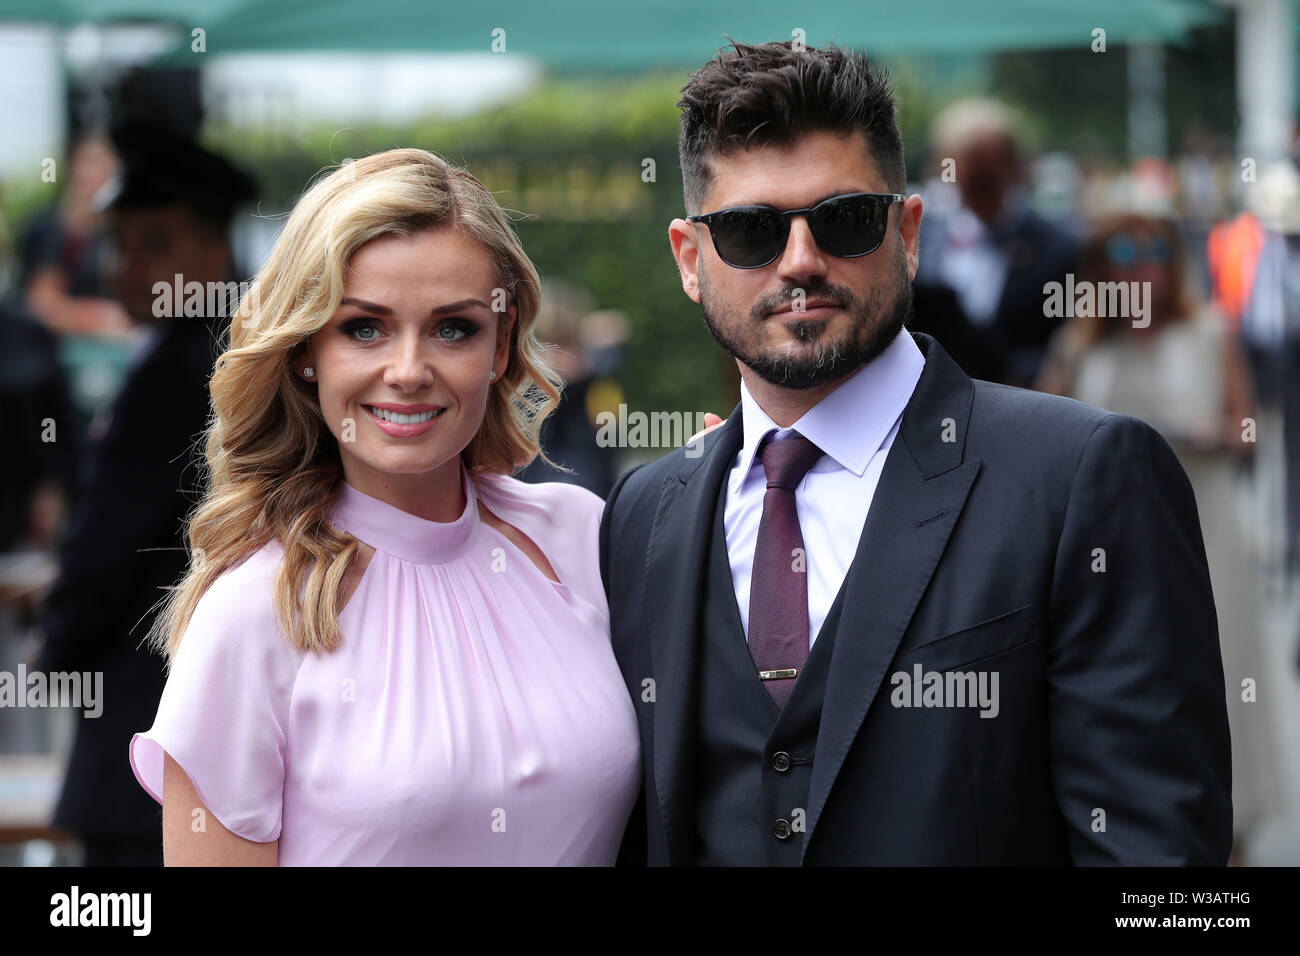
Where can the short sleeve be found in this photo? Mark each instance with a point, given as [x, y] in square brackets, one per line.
[224, 710]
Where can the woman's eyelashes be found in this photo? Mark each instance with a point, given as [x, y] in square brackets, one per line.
[459, 328]
[365, 329]
[352, 327]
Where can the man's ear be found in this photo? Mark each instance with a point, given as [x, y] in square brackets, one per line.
[909, 227]
[684, 238]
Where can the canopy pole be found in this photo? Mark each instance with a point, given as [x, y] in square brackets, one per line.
[1265, 78]
[1146, 102]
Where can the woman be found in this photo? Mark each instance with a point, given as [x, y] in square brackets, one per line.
[1184, 373]
[387, 650]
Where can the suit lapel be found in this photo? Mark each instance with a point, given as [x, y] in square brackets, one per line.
[922, 490]
[675, 562]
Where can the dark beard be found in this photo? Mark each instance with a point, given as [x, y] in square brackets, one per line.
[874, 326]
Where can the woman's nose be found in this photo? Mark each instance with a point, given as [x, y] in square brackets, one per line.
[409, 368]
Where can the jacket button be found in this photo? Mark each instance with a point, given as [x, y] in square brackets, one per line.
[781, 829]
[780, 761]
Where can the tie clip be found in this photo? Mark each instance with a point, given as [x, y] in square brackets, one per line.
[777, 675]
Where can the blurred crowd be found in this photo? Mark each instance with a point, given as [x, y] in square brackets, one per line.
[1187, 316]
[112, 399]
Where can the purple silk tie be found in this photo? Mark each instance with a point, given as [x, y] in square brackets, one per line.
[778, 586]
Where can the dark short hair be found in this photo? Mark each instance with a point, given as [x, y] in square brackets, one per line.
[773, 93]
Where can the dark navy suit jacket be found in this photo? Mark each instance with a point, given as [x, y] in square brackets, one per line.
[1047, 540]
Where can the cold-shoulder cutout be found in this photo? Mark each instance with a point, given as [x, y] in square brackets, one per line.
[365, 554]
[525, 544]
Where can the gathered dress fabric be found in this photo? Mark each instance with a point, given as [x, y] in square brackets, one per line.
[473, 713]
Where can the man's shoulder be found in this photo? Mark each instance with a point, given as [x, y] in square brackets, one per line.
[1010, 409]
[1031, 429]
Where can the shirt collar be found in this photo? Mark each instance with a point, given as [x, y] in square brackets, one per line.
[851, 423]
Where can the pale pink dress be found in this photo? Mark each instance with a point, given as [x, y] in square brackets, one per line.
[473, 714]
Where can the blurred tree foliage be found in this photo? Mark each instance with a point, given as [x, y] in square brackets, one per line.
[570, 161]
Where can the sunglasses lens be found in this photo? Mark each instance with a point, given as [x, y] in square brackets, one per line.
[1121, 249]
[846, 226]
[748, 238]
[852, 226]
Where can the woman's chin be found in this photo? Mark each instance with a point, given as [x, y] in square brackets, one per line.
[407, 462]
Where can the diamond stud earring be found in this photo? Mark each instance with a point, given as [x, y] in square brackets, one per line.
[309, 371]
[492, 375]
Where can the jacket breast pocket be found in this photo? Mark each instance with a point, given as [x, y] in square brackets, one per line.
[972, 643]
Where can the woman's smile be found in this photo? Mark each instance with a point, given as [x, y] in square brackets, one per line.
[404, 421]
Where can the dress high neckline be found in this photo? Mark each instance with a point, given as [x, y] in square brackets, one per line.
[405, 536]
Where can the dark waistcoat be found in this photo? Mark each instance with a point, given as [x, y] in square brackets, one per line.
[755, 759]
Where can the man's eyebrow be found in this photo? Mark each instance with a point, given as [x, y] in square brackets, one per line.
[830, 195]
[842, 192]
[440, 310]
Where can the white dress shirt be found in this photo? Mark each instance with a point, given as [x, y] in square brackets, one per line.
[973, 266]
[855, 427]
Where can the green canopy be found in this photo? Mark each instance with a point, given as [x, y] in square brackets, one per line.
[72, 12]
[598, 33]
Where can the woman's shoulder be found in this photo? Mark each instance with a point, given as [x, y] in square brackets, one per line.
[564, 503]
[241, 586]
[224, 712]
[239, 607]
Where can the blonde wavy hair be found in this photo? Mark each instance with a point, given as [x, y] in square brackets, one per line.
[272, 466]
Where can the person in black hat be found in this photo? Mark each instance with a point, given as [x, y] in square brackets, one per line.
[170, 222]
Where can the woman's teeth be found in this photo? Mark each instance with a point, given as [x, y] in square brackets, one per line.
[401, 419]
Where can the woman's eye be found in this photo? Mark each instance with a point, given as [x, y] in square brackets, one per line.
[365, 330]
[357, 327]
[453, 332]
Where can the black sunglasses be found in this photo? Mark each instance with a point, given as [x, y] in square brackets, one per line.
[750, 237]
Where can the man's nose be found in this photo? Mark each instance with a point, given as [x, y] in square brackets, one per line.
[802, 256]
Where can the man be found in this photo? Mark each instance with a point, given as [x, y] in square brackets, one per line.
[888, 614]
[979, 289]
[124, 545]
